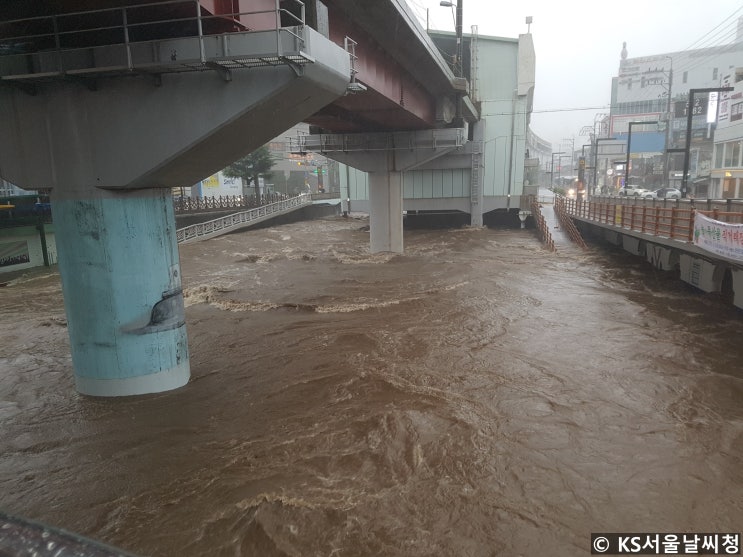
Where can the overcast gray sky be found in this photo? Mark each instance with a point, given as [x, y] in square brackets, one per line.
[578, 45]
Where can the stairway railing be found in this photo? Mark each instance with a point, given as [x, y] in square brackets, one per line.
[223, 225]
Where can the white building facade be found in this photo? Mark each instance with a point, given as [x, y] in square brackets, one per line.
[727, 166]
[656, 88]
[487, 174]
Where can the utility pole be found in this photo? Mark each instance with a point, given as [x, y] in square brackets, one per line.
[459, 37]
[572, 153]
[458, 67]
[669, 119]
[553, 166]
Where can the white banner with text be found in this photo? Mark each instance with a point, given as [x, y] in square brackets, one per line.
[718, 237]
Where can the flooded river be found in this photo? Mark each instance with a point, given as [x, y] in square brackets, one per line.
[476, 396]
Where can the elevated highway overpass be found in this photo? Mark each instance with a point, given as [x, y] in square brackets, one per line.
[108, 103]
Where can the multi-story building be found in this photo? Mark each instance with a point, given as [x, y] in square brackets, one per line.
[293, 173]
[656, 88]
[727, 163]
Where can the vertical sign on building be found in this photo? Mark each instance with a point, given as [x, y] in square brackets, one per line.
[712, 107]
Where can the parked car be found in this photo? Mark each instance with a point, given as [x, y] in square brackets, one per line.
[663, 193]
[632, 189]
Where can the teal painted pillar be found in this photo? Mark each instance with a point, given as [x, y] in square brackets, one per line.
[121, 280]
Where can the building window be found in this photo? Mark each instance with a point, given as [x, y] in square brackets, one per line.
[686, 77]
[732, 154]
[719, 150]
[714, 185]
[736, 112]
[728, 188]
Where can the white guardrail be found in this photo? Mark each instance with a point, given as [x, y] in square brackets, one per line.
[229, 223]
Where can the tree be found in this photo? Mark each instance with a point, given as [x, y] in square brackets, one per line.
[251, 167]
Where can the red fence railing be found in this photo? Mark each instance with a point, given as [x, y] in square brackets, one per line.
[675, 222]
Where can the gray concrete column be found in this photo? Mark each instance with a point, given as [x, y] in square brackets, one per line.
[701, 273]
[478, 172]
[385, 211]
[738, 288]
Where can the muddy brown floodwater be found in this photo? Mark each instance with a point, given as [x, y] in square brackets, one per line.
[476, 396]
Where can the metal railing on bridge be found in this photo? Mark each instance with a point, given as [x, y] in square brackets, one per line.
[150, 38]
[566, 222]
[235, 221]
[542, 229]
[649, 217]
[188, 204]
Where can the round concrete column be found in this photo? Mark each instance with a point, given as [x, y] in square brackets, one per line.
[118, 258]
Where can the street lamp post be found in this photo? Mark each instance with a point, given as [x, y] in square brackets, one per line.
[595, 160]
[553, 166]
[572, 152]
[629, 143]
[458, 32]
[689, 114]
[669, 119]
[559, 167]
[582, 167]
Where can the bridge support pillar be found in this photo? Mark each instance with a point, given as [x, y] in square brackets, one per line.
[121, 279]
[108, 154]
[662, 258]
[612, 237]
[385, 211]
[632, 245]
[385, 156]
[738, 288]
[701, 273]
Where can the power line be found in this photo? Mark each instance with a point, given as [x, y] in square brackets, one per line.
[698, 63]
[414, 4]
[548, 110]
[730, 17]
[713, 38]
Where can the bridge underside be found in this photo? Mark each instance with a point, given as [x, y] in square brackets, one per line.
[159, 95]
[108, 151]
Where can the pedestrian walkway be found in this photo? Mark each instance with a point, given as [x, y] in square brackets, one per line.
[243, 219]
[560, 237]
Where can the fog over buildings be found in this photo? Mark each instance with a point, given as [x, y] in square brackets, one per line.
[579, 45]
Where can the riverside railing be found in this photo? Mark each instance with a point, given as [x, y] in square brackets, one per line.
[566, 222]
[222, 225]
[187, 204]
[542, 229]
[675, 221]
